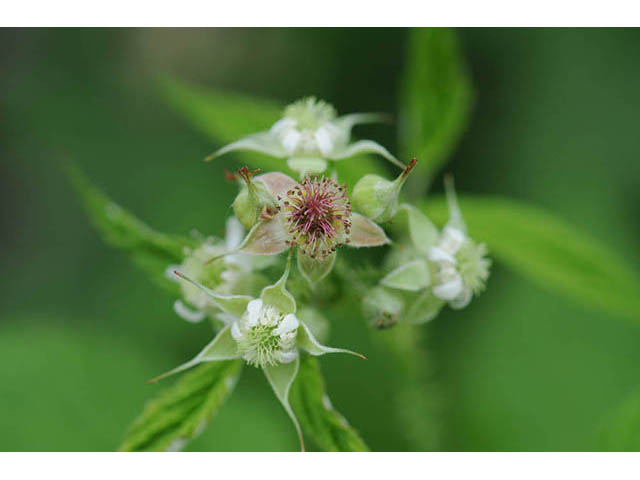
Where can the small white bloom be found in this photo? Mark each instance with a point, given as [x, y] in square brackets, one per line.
[309, 134]
[446, 267]
[221, 275]
[461, 267]
[265, 335]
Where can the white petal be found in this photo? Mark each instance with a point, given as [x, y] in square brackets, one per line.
[324, 140]
[184, 312]
[288, 324]
[290, 140]
[437, 255]
[452, 239]
[235, 332]
[288, 357]
[449, 290]
[234, 233]
[253, 312]
[283, 124]
[462, 300]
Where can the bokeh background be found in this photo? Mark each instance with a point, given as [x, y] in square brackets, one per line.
[555, 124]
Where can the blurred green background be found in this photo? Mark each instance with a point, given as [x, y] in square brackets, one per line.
[81, 329]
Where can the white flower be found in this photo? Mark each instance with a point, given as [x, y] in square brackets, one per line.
[461, 268]
[445, 267]
[309, 134]
[265, 332]
[266, 335]
[221, 275]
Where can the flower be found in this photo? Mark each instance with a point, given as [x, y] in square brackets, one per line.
[224, 276]
[309, 134]
[445, 267]
[265, 335]
[313, 215]
[265, 332]
[461, 267]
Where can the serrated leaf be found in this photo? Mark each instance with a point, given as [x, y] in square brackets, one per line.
[320, 421]
[436, 101]
[226, 117]
[182, 411]
[542, 247]
[149, 249]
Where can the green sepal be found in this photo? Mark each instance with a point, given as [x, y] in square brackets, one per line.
[222, 347]
[278, 295]
[232, 304]
[366, 233]
[412, 276]
[307, 342]
[314, 270]
[267, 237]
[424, 308]
[423, 233]
[281, 377]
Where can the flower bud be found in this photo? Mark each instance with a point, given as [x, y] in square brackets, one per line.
[252, 199]
[382, 307]
[377, 197]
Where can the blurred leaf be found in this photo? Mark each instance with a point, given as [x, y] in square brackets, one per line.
[545, 249]
[620, 431]
[151, 250]
[184, 410]
[435, 102]
[226, 117]
[325, 426]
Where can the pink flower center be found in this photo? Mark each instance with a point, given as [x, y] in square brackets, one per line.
[317, 213]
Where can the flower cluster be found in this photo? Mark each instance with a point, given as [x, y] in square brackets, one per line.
[439, 267]
[312, 217]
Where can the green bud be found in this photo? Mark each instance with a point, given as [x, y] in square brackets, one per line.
[377, 197]
[382, 307]
[252, 199]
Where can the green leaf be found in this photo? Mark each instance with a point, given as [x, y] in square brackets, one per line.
[548, 251]
[320, 421]
[149, 249]
[620, 431]
[226, 117]
[181, 412]
[435, 104]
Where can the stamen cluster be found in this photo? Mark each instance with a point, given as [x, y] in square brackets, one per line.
[265, 335]
[317, 214]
